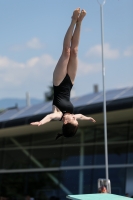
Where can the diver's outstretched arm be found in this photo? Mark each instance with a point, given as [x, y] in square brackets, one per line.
[48, 118]
[82, 117]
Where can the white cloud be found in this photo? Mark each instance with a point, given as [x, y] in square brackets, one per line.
[34, 43]
[109, 53]
[85, 68]
[44, 60]
[13, 73]
[87, 29]
[34, 75]
[5, 63]
[129, 51]
[33, 62]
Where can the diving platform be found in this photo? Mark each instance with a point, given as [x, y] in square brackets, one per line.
[98, 196]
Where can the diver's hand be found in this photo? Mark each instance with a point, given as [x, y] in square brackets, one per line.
[92, 120]
[36, 123]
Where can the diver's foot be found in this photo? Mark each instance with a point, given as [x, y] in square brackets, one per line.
[76, 14]
[81, 16]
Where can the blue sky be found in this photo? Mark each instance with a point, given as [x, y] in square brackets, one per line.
[32, 32]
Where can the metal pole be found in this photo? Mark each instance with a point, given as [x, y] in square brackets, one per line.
[81, 171]
[104, 93]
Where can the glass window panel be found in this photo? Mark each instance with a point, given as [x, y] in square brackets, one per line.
[117, 154]
[99, 135]
[89, 134]
[15, 159]
[129, 181]
[12, 185]
[70, 156]
[94, 134]
[1, 142]
[46, 139]
[37, 185]
[2, 152]
[99, 155]
[94, 154]
[118, 132]
[130, 154]
[118, 180]
[50, 157]
[131, 130]
[70, 178]
[15, 142]
[89, 155]
[91, 177]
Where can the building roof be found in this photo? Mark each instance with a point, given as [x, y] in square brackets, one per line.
[78, 102]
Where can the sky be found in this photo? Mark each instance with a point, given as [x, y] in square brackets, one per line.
[32, 33]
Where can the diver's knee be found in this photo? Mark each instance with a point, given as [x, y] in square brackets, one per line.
[74, 52]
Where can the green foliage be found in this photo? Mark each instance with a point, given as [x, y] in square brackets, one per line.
[50, 94]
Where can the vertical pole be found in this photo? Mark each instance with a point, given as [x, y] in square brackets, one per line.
[104, 94]
[81, 172]
[27, 99]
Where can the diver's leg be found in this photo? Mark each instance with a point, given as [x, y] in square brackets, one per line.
[73, 61]
[61, 67]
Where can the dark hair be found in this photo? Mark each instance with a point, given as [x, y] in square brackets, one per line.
[68, 130]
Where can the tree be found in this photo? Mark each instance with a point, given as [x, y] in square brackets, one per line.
[50, 94]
